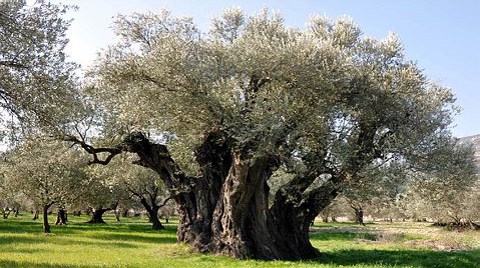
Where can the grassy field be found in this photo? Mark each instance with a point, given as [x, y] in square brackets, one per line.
[132, 243]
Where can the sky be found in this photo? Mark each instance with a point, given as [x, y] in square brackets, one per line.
[442, 36]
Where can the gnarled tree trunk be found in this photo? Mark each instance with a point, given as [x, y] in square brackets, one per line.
[35, 215]
[152, 212]
[97, 215]
[225, 210]
[358, 214]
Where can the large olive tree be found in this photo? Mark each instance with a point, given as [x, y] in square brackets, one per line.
[253, 96]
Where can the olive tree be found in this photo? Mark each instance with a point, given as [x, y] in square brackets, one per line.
[251, 97]
[104, 194]
[37, 82]
[143, 186]
[47, 173]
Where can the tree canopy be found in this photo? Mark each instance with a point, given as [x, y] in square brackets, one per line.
[37, 83]
[252, 96]
[217, 114]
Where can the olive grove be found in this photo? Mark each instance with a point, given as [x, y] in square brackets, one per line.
[217, 114]
[252, 97]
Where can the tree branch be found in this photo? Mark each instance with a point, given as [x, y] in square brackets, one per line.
[13, 64]
[165, 202]
[112, 151]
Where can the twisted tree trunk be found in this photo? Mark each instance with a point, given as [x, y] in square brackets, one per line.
[358, 214]
[152, 211]
[35, 215]
[226, 210]
[97, 215]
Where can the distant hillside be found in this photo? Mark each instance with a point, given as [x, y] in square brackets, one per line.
[475, 140]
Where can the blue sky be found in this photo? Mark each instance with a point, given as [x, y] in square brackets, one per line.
[442, 36]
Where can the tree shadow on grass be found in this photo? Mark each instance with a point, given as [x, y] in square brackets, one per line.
[7, 226]
[136, 238]
[341, 236]
[402, 258]
[11, 263]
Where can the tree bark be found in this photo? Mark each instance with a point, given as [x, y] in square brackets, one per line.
[358, 214]
[152, 212]
[97, 215]
[61, 217]
[226, 210]
[35, 215]
[46, 225]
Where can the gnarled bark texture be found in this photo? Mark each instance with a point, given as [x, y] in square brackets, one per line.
[97, 215]
[226, 209]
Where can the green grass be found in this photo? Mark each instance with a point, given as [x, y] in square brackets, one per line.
[132, 243]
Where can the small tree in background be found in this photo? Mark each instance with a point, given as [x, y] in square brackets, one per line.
[47, 173]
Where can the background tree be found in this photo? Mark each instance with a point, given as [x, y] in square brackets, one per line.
[253, 96]
[46, 172]
[104, 194]
[376, 189]
[37, 88]
[145, 187]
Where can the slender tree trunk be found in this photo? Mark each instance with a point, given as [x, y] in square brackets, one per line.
[125, 213]
[46, 225]
[358, 215]
[35, 215]
[117, 215]
[61, 217]
[152, 212]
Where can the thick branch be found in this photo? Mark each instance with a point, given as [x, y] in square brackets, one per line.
[112, 151]
[12, 64]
